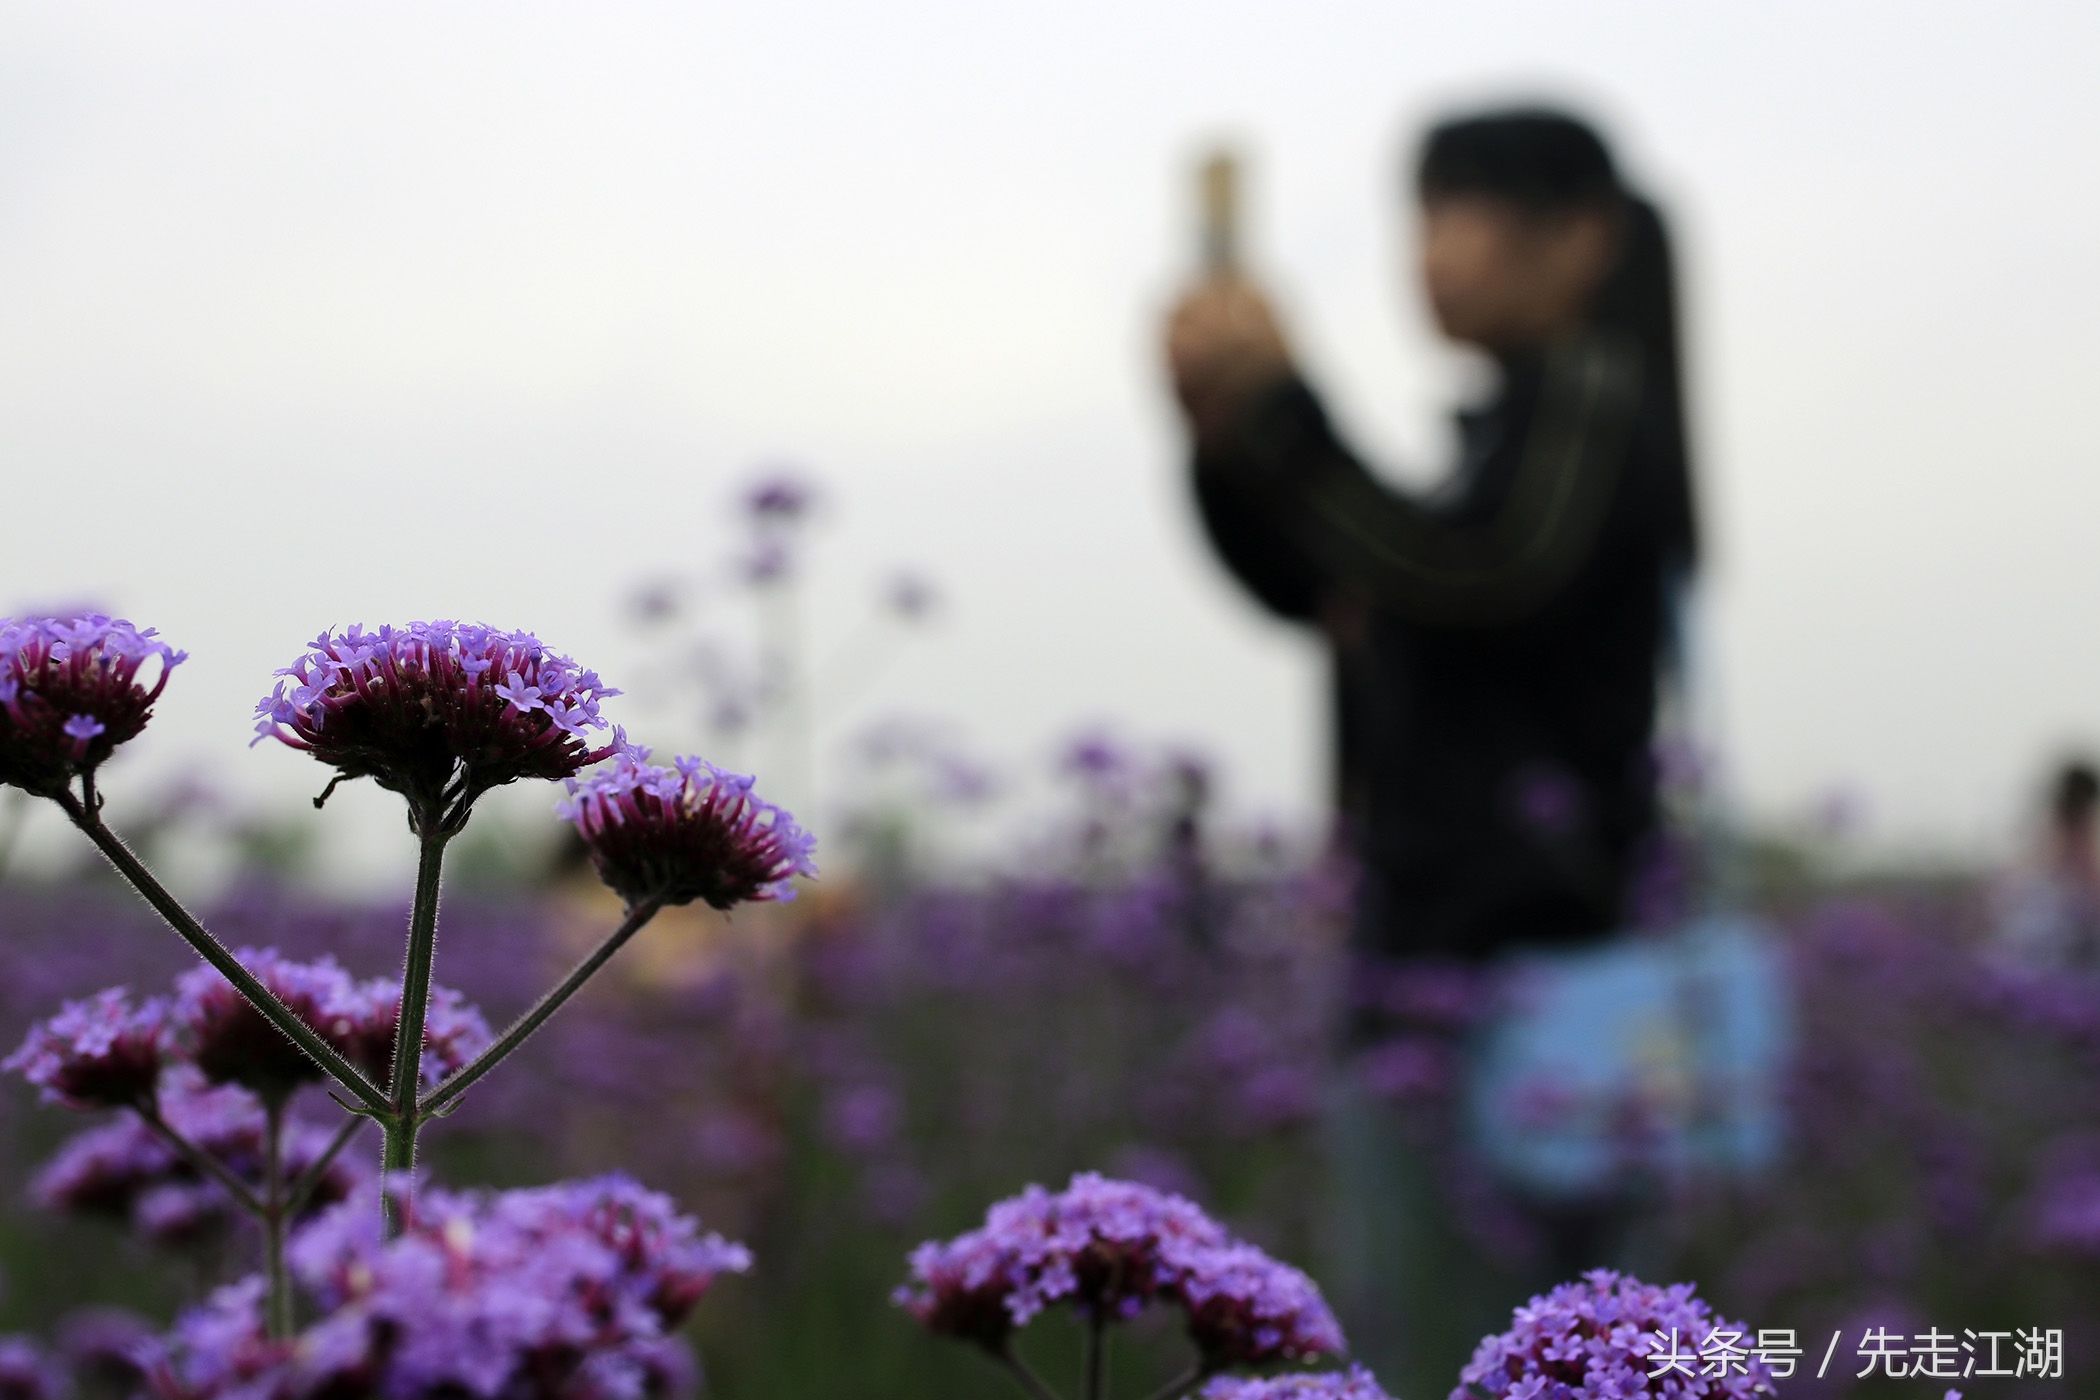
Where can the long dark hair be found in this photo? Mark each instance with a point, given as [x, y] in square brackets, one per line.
[1549, 162]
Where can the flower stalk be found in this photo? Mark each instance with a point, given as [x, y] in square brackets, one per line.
[403, 1119]
[1024, 1375]
[521, 1030]
[308, 1181]
[205, 1162]
[88, 818]
[1180, 1385]
[276, 1214]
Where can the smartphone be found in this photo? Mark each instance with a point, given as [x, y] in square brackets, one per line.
[1218, 211]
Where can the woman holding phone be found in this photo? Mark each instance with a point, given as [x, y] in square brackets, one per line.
[1500, 640]
[1498, 644]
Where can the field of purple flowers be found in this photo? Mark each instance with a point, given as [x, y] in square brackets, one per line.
[196, 1207]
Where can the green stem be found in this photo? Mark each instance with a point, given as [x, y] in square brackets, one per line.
[303, 1187]
[402, 1121]
[521, 1030]
[14, 815]
[1096, 1358]
[1179, 1384]
[243, 1195]
[276, 1212]
[1025, 1377]
[220, 957]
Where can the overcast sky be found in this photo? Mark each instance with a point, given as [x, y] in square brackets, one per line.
[312, 313]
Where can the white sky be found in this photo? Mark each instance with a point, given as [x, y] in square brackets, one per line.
[320, 312]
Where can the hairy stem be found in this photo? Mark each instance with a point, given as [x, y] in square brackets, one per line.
[308, 1181]
[402, 1121]
[1025, 1377]
[276, 1212]
[521, 1030]
[1179, 1384]
[220, 957]
[14, 815]
[243, 1195]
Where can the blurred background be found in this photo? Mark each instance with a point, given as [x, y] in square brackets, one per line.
[323, 315]
[797, 368]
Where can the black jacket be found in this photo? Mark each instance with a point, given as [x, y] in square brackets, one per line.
[1496, 688]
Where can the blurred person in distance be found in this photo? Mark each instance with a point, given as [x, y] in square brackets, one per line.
[2048, 911]
[1497, 644]
[1499, 641]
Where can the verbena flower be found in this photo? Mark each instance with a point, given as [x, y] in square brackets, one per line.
[1108, 1248]
[27, 1373]
[1246, 1309]
[781, 496]
[1353, 1384]
[690, 832]
[71, 691]
[439, 712]
[220, 1350]
[571, 1289]
[1599, 1336]
[125, 1171]
[232, 1042]
[102, 1052]
[101, 1346]
[454, 1030]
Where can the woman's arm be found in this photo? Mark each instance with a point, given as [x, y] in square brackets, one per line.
[1347, 527]
[1242, 531]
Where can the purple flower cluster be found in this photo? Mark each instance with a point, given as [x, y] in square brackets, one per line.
[126, 1171]
[691, 832]
[1598, 1337]
[218, 1349]
[26, 1373]
[1353, 1384]
[71, 692]
[101, 1052]
[439, 712]
[106, 1052]
[781, 496]
[1109, 1248]
[570, 1290]
[231, 1041]
[1246, 1309]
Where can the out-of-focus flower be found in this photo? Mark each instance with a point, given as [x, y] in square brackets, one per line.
[779, 496]
[454, 1030]
[1354, 1384]
[655, 601]
[102, 1052]
[1098, 759]
[1109, 1248]
[1412, 1069]
[27, 1373]
[439, 712]
[693, 832]
[1246, 1309]
[231, 1041]
[1603, 1335]
[71, 692]
[126, 1171]
[101, 1345]
[519, 1292]
[862, 1117]
[218, 1351]
[910, 596]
